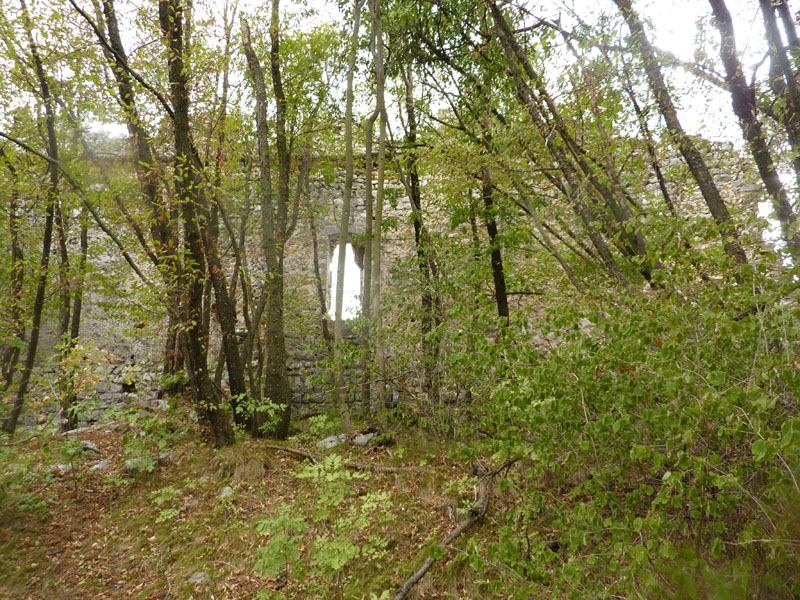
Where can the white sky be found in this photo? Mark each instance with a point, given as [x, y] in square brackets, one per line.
[351, 303]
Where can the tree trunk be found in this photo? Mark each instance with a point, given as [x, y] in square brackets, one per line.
[69, 418]
[344, 228]
[783, 80]
[10, 353]
[225, 299]
[366, 289]
[10, 423]
[686, 146]
[571, 185]
[425, 261]
[273, 226]
[498, 274]
[323, 309]
[162, 232]
[570, 156]
[63, 275]
[743, 96]
[377, 309]
[187, 188]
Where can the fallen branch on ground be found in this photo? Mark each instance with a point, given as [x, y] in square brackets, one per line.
[315, 458]
[476, 513]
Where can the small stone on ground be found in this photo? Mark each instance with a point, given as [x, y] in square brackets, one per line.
[101, 465]
[332, 441]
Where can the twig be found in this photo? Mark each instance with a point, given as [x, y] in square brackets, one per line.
[476, 514]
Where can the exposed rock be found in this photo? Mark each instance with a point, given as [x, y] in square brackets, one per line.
[78, 431]
[226, 493]
[750, 188]
[362, 439]
[103, 464]
[198, 578]
[88, 446]
[332, 441]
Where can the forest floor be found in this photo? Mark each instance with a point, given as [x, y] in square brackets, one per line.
[242, 522]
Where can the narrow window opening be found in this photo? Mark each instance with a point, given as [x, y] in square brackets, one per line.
[351, 303]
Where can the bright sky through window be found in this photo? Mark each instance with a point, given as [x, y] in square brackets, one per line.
[352, 284]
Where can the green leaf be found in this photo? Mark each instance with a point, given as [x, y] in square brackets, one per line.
[762, 449]
[639, 553]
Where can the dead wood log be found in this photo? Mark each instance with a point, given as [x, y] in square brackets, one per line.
[357, 466]
[476, 514]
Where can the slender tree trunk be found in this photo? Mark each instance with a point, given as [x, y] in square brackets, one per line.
[377, 278]
[63, 274]
[687, 148]
[273, 225]
[323, 309]
[225, 304]
[10, 355]
[782, 75]
[77, 303]
[425, 261]
[344, 228]
[366, 289]
[546, 241]
[793, 42]
[10, 423]
[69, 418]
[571, 185]
[570, 156]
[162, 232]
[187, 187]
[743, 96]
[498, 274]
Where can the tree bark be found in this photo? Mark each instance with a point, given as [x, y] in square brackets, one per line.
[425, 261]
[161, 231]
[344, 228]
[273, 226]
[69, 418]
[377, 278]
[743, 97]
[571, 185]
[366, 288]
[687, 148]
[225, 303]
[187, 185]
[10, 423]
[10, 353]
[498, 274]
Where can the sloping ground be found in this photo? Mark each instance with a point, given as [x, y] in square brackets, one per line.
[243, 522]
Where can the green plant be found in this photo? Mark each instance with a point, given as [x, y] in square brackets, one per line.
[16, 478]
[318, 427]
[281, 555]
[663, 452]
[151, 434]
[166, 495]
[78, 373]
[341, 533]
[248, 408]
